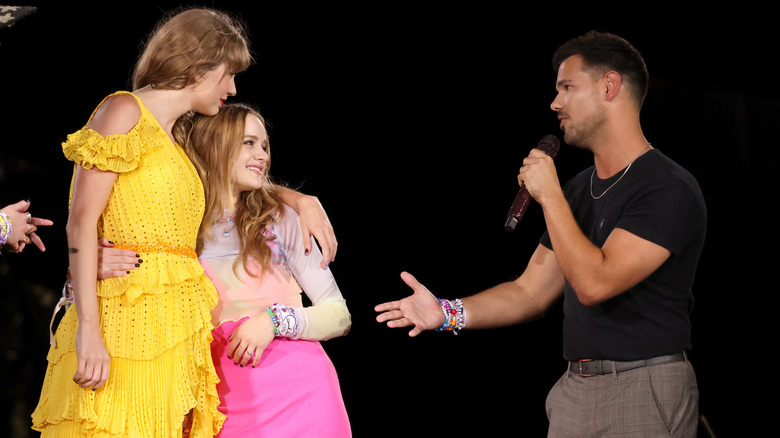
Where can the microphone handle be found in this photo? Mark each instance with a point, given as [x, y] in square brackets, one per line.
[519, 205]
[549, 144]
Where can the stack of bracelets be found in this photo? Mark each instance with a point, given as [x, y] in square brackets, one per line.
[284, 319]
[5, 228]
[454, 316]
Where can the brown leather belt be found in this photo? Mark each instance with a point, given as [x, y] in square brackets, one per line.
[590, 367]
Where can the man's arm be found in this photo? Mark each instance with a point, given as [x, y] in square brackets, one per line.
[596, 274]
[525, 299]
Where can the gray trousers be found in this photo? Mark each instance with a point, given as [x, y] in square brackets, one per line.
[653, 401]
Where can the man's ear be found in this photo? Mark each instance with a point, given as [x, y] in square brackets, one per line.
[612, 84]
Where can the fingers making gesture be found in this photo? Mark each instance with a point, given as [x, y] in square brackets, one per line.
[18, 227]
[421, 309]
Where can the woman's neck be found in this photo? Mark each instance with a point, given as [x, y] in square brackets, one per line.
[165, 105]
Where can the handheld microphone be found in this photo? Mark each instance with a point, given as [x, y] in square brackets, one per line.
[549, 144]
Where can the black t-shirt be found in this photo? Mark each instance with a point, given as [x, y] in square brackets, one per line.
[658, 201]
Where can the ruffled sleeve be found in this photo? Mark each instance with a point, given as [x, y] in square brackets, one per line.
[116, 153]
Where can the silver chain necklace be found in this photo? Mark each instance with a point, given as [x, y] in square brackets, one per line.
[618, 180]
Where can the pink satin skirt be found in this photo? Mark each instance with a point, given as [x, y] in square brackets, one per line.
[293, 392]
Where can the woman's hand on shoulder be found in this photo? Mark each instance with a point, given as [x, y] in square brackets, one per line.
[315, 222]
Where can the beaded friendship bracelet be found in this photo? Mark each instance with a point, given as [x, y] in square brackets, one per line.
[5, 228]
[454, 316]
[274, 319]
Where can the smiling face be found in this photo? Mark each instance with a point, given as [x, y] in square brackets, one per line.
[580, 110]
[249, 169]
[211, 91]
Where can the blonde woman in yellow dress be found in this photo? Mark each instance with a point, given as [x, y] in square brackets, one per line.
[131, 357]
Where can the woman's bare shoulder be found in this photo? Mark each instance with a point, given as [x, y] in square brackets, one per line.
[117, 115]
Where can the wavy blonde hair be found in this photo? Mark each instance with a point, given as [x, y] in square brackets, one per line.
[188, 43]
[213, 143]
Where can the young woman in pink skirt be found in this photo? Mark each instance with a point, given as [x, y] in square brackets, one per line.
[276, 379]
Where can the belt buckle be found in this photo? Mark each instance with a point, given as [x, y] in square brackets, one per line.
[581, 374]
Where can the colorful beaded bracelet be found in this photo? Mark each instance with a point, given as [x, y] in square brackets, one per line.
[285, 321]
[454, 316]
[274, 319]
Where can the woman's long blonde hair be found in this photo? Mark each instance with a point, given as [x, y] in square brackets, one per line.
[213, 143]
[187, 44]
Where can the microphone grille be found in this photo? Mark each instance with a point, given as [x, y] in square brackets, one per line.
[549, 144]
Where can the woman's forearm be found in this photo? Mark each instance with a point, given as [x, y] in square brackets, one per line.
[91, 191]
[296, 200]
[326, 321]
[82, 256]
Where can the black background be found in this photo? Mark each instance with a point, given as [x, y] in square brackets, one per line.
[409, 123]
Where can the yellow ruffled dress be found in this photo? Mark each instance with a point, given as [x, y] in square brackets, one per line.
[156, 322]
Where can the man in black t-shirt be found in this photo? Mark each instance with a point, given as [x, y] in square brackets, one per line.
[658, 201]
[622, 244]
